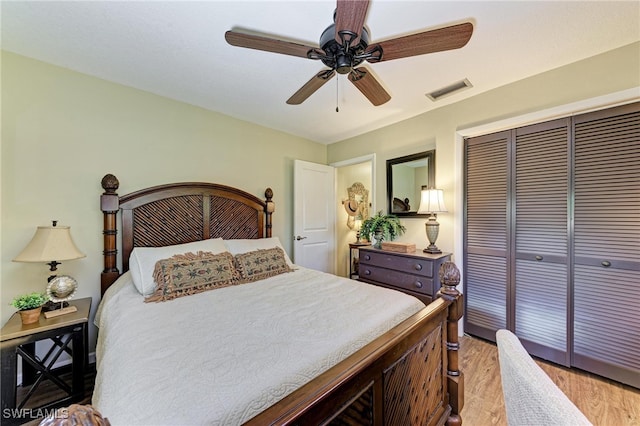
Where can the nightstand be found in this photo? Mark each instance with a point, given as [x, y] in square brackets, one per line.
[354, 255]
[69, 333]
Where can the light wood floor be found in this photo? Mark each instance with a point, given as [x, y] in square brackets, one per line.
[603, 402]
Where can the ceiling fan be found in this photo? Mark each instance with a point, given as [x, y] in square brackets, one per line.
[345, 44]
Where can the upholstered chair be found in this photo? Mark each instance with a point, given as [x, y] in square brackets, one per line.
[530, 396]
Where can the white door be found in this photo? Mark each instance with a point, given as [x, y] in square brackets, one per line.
[314, 216]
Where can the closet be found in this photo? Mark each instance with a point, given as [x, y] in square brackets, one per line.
[552, 239]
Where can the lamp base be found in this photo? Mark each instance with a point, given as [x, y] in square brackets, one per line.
[432, 249]
[58, 312]
[432, 227]
[54, 306]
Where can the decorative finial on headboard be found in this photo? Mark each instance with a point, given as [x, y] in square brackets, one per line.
[268, 194]
[109, 204]
[110, 184]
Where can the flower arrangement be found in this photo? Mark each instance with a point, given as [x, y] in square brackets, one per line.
[29, 301]
[382, 228]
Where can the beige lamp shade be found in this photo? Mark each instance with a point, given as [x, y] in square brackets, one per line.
[431, 201]
[50, 243]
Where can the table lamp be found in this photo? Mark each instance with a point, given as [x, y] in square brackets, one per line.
[357, 225]
[51, 244]
[431, 203]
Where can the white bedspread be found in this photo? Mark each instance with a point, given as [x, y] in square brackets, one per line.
[223, 356]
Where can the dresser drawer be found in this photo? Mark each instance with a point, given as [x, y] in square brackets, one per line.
[410, 265]
[398, 279]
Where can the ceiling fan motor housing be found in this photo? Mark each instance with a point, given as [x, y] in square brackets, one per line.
[339, 58]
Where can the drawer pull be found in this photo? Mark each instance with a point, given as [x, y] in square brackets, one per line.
[367, 272]
[418, 284]
[539, 258]
[418, 267]
[606, 263]
[367, 257]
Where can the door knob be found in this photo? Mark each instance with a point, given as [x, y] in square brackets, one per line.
[298, 238]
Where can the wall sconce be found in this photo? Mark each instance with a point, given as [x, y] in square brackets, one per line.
[51, 244]
[432, 202]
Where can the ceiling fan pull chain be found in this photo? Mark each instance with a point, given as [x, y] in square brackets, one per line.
[337, 110]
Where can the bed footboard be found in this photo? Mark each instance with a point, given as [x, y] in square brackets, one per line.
[408, 376]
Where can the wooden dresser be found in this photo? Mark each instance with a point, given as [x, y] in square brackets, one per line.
[412, 273]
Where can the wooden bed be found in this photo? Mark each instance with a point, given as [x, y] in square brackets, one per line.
[407, 376]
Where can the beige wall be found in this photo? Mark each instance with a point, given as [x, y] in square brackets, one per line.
[62, 131]
[612, 72]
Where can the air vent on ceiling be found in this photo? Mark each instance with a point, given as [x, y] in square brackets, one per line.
[450, 89]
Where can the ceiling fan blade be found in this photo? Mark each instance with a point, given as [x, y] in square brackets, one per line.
[448, 38]
[310, 87]
[369, 86]
[267, 44]
[350, 16]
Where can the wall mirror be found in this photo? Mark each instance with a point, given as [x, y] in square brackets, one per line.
[405, 178]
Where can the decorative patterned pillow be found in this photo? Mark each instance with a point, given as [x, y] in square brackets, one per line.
[239, 246]
[260, 264]
[143, 260]
[185, 274]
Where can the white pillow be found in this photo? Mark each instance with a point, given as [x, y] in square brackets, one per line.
[244, 246]
[143, 260]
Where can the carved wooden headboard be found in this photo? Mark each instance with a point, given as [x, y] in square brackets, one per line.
[177, 213]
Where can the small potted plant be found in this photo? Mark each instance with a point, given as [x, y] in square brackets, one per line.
[29, 306]
[381, 228]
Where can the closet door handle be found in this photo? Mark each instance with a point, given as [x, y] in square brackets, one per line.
[606, 263]
[539, 258]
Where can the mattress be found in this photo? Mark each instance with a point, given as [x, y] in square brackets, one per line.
[223, 356]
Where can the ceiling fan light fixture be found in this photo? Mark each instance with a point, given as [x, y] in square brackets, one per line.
[343, 63]
[449, 90]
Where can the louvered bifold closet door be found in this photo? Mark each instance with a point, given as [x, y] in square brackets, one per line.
[541, 283]
[607, 243]
[486, 234]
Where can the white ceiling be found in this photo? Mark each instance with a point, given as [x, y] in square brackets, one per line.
[177, 49]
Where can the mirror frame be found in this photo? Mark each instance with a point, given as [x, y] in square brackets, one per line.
[431, 177]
